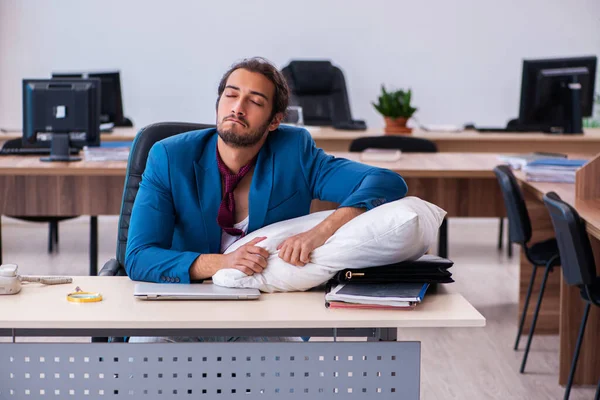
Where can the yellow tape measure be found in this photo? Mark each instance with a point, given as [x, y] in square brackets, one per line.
[79, 296]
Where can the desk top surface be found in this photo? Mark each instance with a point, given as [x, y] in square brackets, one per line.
[456, 165]
[328, 133]
[117, 135]
[589, 210]
[46, 307]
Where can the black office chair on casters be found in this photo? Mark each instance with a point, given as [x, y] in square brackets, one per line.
[538, 254]
[578, 265]
[136, 165]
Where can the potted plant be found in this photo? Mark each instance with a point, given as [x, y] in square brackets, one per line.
[396, 110]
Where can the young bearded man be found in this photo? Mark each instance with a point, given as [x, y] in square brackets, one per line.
[203, 190]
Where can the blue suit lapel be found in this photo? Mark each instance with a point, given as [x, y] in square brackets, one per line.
[260, 189]
[208, 182]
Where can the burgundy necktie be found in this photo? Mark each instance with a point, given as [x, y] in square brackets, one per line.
[226, 216]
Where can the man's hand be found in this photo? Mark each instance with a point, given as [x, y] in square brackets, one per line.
[296, 249]
[250, 259]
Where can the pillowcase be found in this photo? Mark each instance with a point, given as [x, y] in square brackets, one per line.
[397, 231]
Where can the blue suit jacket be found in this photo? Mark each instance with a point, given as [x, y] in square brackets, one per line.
[174, 217]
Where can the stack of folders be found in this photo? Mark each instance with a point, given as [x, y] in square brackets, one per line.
[553, 170]
[107, 151]
[395, 286]
[520, 161]
[392, 295]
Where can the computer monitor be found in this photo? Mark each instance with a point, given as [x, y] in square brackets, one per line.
[67, 112]
[111, 104]
[556, 94]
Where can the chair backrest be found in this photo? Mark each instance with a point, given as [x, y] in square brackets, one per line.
[516, 211]
[406, 144]
[320, 89]
[576, 256]
[136, 165]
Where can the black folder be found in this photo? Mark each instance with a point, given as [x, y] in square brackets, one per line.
[427, 269]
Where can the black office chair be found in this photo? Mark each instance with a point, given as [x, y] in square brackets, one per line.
[578, 264]
[136, 165]
[542, 253]
[406, 144]
[320, 89]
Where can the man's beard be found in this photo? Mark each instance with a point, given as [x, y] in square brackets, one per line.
[241, 140]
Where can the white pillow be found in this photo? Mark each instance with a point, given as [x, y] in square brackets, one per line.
[401, 230]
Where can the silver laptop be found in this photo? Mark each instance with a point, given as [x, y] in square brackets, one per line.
[203, 291]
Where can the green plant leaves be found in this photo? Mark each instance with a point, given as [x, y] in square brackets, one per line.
[394, 104]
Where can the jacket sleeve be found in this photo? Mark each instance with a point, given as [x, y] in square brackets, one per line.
[349, 183]
[148, 256]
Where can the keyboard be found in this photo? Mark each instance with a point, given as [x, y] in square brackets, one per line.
[31, 152]
[14, 148]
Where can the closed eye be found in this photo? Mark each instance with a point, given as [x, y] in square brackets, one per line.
[257, 103]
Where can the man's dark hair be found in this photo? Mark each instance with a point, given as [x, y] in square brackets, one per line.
[263, 66]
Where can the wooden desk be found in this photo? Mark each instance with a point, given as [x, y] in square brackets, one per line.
[279, 314]
[471, 141]
[48, 309]
[560, 300]
[463, 184]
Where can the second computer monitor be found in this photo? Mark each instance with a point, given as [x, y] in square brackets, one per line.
[61, 114]
[111, 104]
[557, 93]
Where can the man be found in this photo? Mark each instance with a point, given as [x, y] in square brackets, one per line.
[203, 190]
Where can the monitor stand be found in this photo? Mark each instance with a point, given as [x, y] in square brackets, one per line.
[59, 150]
[573, 107]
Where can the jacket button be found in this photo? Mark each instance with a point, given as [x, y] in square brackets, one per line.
[177, 280]
[163, 278]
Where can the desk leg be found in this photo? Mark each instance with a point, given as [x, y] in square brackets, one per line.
[384, 335]
[93, 245]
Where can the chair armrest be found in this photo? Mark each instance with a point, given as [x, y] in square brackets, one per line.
[112, 268]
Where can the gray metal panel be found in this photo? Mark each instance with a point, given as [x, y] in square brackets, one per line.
[277, 370]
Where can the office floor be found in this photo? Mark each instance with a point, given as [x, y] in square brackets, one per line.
[473, 363]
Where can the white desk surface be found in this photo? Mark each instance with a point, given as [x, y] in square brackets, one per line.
[46, 307]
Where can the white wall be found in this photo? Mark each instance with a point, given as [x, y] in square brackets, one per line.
[462, 58]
